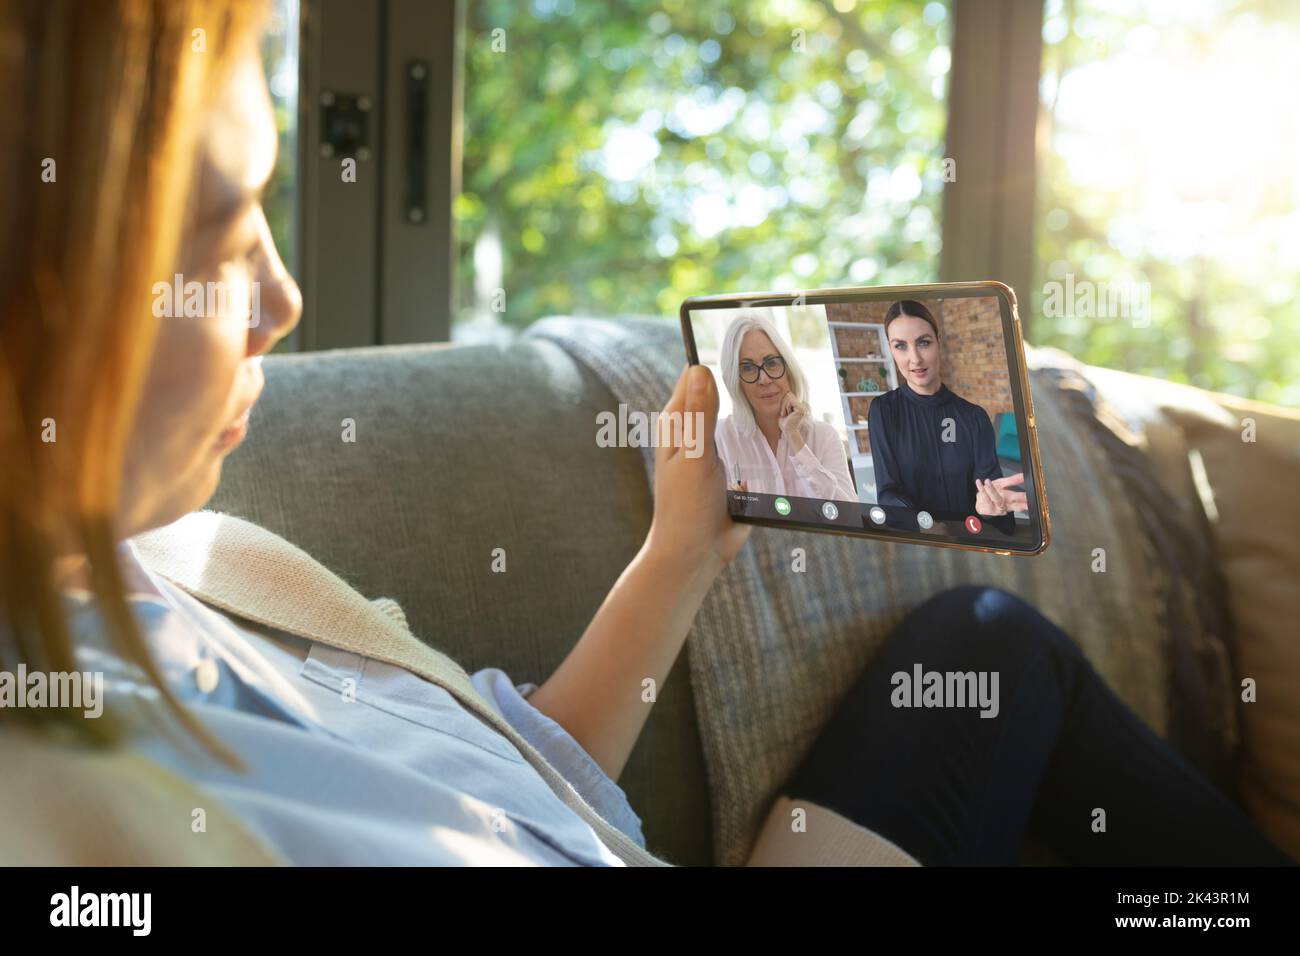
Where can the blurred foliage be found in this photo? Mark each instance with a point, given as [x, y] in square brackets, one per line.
[1170, 152]
[621, 156]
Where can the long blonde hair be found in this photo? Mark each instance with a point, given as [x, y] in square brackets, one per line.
[742, 414]
[105, 102]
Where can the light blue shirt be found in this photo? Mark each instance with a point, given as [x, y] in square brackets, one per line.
[351, 760]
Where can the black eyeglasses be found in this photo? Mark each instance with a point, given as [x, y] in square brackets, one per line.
[773, 365]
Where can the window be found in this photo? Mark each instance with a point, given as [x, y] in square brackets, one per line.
[280, 59]
[619, 157]
[1170, 164]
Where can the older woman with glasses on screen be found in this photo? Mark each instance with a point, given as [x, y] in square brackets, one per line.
[770, 443]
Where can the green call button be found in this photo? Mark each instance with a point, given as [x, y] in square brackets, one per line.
[782, 507]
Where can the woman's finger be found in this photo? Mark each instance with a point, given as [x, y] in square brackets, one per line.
[677, 400]
[700, 412]
[668, 439]
[690, 415]
[995, 496]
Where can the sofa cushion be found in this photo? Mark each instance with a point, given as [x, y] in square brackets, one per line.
[1239, 462]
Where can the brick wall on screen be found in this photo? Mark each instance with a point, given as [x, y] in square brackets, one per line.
[974, 357]
[862, 344]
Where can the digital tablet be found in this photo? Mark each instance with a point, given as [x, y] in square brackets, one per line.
[900, 412]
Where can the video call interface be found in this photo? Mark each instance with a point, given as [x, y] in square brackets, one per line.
[894, 415]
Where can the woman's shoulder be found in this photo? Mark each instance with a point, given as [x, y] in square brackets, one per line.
[728, 431]
[884, 401]
[967, 405]
[71, 805]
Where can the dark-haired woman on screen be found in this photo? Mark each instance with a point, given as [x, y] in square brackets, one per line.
[931, 449]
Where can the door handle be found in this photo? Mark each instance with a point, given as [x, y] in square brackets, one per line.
[417, 141]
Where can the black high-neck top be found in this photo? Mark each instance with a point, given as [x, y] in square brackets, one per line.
[914, 466]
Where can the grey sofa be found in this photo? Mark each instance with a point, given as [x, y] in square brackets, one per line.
[460, 450]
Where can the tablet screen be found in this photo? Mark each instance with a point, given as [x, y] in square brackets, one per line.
[896, 416]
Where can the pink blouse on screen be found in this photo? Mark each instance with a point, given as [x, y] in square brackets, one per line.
[820, 470]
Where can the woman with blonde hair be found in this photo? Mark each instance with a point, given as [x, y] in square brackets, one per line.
[770, 443]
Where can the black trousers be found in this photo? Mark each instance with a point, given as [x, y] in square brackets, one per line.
[1062, 756]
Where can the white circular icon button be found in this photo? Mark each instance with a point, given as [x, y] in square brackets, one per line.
[829, 511]
[877, 514]
[924, 520]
